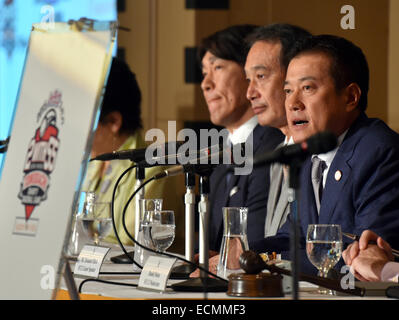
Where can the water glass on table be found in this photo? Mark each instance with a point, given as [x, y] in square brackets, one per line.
[324, 248]
[162, 230]
[97, 221]
[147, 209]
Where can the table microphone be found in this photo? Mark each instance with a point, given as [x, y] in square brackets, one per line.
[138, 155]
[319, 143]
[201, 165]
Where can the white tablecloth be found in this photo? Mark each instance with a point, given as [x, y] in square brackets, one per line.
[307, 291]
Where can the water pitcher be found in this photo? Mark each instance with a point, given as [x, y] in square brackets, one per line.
[234, 240]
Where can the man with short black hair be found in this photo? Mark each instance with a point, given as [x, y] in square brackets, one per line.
[266, 65]
[326, 90]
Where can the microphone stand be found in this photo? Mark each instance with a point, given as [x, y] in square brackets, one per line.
[293, 199]
[203, 283]
[203, 209]
[140, 176]
[183, 271]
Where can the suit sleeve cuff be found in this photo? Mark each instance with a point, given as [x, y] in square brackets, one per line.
[390, 272]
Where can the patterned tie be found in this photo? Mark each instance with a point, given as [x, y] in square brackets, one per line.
[286, 172]
[318, 167]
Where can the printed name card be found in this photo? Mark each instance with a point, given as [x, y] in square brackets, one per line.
[90, 260]
[156, 273]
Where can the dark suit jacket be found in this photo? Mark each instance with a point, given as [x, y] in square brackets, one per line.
[366, 196]
[250, 191]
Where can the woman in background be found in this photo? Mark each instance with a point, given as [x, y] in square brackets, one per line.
[119, 129]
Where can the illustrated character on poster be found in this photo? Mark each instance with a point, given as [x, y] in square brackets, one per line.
[41, 155]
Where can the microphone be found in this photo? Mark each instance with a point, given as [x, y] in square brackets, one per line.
[319, 143]
[185, 157]
[198, 165]
[136, 155]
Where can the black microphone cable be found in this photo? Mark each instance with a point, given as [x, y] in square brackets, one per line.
[117, 238]
[134, 285]
[155, 251]
[124, 216]
[105, 282]
[134, 240]
[113, 214]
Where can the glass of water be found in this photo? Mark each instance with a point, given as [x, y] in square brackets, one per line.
[162, 230]
[324, 247]
[96, 221]
[79, 236]
[147, 209]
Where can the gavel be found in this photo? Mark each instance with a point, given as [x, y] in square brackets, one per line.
[252, 263]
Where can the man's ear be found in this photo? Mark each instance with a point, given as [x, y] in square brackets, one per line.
[353, 94]
[114, 121]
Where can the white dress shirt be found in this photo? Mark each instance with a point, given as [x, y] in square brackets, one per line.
[329, 157]
[241, 134]
[390, 272]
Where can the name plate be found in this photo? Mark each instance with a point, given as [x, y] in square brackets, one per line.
[156, 273]
[90, 260]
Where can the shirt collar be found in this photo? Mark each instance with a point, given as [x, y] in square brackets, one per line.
[242, 133]
[329, 156]
[289, 141]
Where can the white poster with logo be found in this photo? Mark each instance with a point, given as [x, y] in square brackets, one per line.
[60, 92]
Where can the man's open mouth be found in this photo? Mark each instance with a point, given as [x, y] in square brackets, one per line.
[300, 122]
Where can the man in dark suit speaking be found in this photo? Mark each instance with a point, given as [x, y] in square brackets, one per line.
[326, 90]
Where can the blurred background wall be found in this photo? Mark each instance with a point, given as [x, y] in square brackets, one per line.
[164, 34]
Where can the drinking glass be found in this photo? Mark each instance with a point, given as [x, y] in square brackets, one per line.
[162, 229]
[147, 208]
[324, 247]
[96, 221]
[78, 236]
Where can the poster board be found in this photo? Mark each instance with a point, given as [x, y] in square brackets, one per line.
[60, 92]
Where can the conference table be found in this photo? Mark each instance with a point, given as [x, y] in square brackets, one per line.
[119, 281]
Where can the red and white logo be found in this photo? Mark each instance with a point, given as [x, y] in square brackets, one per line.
[42, 154]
